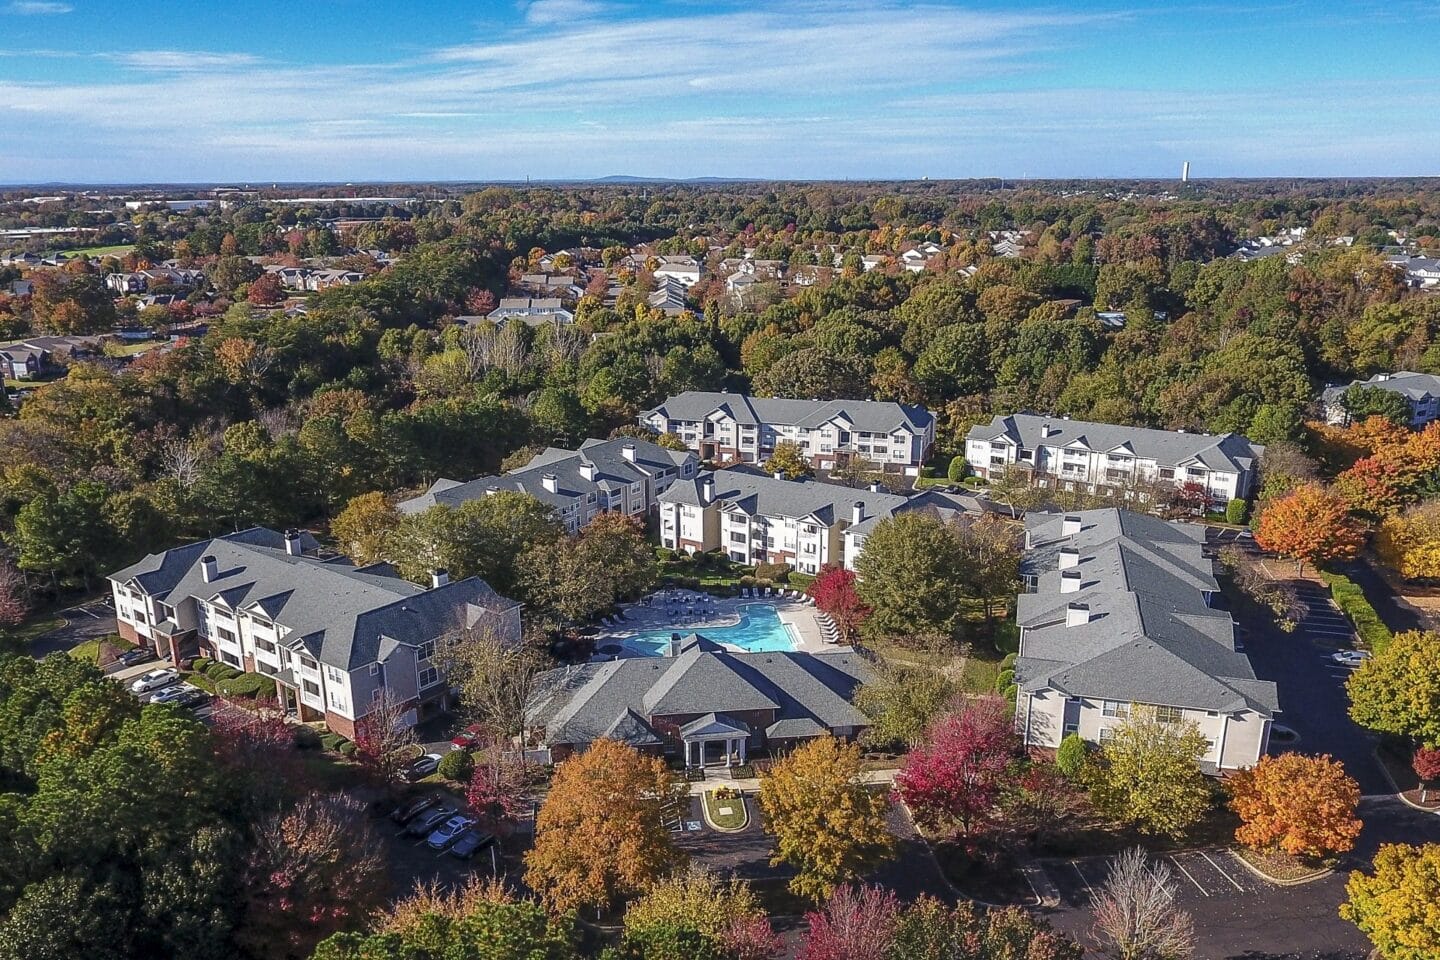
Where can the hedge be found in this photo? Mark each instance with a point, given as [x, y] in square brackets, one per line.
[772, 571]
[331, 740]
[199, 664]
[1004, 680]
[218, 671]
[250, 685]
[457, 766]
[1352, 601]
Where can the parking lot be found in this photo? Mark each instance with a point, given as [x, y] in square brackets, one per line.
[1207, 874]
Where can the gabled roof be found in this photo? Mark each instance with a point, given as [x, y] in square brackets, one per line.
[1413, 386]
[1228, 452]
[755, 493]
[871, 416]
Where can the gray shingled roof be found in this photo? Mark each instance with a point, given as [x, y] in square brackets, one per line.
[808, 692]
[345, 615]
[1151, 637]
[872, 416]
[1414, 386]
[1227, 451]
[756, 493]
[613, 472]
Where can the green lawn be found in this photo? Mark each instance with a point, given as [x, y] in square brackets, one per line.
[114, 249]
[131, 349]
[714, 807]
[89, 650]
[31, 629]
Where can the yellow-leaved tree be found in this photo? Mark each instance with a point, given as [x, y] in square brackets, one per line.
[1397, 906]
[1409, 543]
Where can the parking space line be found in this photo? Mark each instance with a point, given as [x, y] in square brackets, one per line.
[1077, 869]
[1227, 876]
[1190, 878]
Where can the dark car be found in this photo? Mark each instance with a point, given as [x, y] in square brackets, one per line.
[131, 657]
[470, 843]
[408, 811]
[193, 698]
[429, 820]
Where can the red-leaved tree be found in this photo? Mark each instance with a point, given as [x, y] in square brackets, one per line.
[14, 595]
[255, 746]
[857, 923]
[1426, 763]
[385, 740]
[835, 594]
[498, 790]
[751, 938]
[954, 779]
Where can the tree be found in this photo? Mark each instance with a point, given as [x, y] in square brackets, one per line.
[1015, 488]
[900, 703]
[956, 471]
[1409, 543]
[1397, 691]
[384, 740]
[1308, 525]
[14, 594]
[856, 923]
[480, 538]
[1362, 402]
[599, 836]
[498, 791]
[492, 675]
[1135, 914]
[835, 594]
[1426, 764]
[457, 766]
[930, 930]
[955, 777]
[265, 290]
[1071, 755]
[907, 575]
[990, 561]
[364, 526]
[1148, 773]
[310, 871]
[1236, 511]
[789, 461]
[1303, 806]
[573, 579]
[723, 915]
[1396, 905]
[827, 824]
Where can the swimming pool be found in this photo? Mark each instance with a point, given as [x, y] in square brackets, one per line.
[759, 630]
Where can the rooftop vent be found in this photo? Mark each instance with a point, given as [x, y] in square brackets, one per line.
[1077, 614]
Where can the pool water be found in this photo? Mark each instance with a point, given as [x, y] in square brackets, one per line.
[759, 630]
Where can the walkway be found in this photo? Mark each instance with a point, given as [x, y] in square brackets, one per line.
[751, 785]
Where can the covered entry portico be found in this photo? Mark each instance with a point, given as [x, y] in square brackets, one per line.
[714, 740]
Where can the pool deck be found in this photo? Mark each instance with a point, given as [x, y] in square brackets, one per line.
[715, 612]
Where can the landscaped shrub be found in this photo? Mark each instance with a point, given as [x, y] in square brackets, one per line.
[1071, 755]
[1351, 600]
[218, 671]
[664, 554]
[331, 740]
[1007, 662]
[1010, 693]
[248, 685]
[801, 581]
[1236, 511]
[348, 748]
[747, 581]
[774, 572]
[200, 663]
[1005, 679]
[457, 766]
[306, 738]
[957, 469]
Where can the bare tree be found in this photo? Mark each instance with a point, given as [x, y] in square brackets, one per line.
[384, 739]
[1135, 915]
[493, 675]
[14, 594]
[183, 460]
[277, 421]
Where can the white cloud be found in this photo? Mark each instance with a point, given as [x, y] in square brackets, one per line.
[562, 11]
[183, 61]
[34, 8]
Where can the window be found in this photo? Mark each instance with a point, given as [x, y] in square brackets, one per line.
[1106, 734]
[427, 650]
[230, 658]
[737, 537]
[265, 645]
[224, 634]
[312, 688]
[429, 677]
[308, 662]
[1071, 728]
[1114, 708]
[1169, 714]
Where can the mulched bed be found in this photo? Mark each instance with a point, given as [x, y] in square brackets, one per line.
[1281, 866]
[1404, 776]
[992, 876]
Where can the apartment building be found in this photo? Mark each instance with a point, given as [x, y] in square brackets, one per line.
[335, 637]
[1420, 390]
[757, 518]
[1076, 454]
[619, 476]
[1118, 618]
[727, 426]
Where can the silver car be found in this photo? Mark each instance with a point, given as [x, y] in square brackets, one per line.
[449, 831]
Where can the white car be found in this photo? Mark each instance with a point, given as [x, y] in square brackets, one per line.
[179, 693]
[154, 680]
[1350, 658]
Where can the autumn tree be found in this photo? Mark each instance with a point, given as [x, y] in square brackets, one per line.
[1148, 774]
[787, 459]
[385, 740]
[1309, 525]
[901, 701]
[492, 675]
[1426, 764]
[930, 930]
[1409, 543]
[14, 594]
[954, 778]
[856, 923]
[1014, 486]
[990, 561]
[1135, 915]
[265, 290]
[572, 579]
[309, 871]
[1397, 691]
[498, 791]
[908, 576]
[835, 594]
[827, 823]
[362, 528]
[1396, 905]
[599, 836]
[1303, 806]
[717, 917]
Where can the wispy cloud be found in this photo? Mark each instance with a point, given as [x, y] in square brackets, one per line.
[183, 61]
[562, 11]
[36, 8]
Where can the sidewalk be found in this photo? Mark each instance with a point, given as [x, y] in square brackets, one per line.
[752, 784]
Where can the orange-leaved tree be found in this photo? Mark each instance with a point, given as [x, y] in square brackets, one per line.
[1309, 525]
[600, 835]
[1303, 806]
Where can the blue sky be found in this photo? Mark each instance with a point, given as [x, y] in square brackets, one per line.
[497, 89]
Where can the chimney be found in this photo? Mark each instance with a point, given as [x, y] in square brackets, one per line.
[1069, 583]
[1077, 614]
[672, 647]
[778, 474]
[587, 469]
[209, 569]
[1044, 430]
[1069, 526]
[707, 489]
[857, 512]
[550, 482]
[1069, 557]
[875, 487]
[628, 452]
[292, 543]
[439, 577]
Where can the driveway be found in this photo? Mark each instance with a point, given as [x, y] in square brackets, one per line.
[83, 622]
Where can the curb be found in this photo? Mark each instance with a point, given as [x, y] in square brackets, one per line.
[705, 815]
[1297, 882]
[1399, 794]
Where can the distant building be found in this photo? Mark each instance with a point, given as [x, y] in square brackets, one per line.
[534, 311]
[1420, 390]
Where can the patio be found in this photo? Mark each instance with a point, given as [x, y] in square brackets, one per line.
[691, 611]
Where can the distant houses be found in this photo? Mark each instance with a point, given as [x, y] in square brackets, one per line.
[533, 311]
[724, 426]
[34, 358]
[621, 476]
[1117, 617]
[1080, 455]
[1420, 390]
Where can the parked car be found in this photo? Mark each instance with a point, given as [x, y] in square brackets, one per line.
[467, 738]
[175, 694]
[193, 697]
[154, 680]
[1350, 658]
[132, 657]
[469, 843]
[445, 834]
[407, 812]
[422, 767]
[429, 820]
